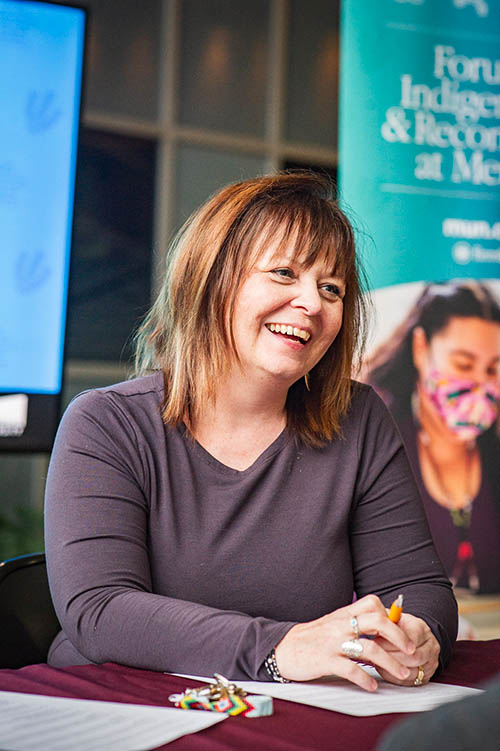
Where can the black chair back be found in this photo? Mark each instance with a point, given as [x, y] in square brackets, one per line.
[28, 622]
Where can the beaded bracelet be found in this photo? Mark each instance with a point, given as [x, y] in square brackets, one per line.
[272, 669]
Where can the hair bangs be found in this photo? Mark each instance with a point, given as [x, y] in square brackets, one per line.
[311, 229]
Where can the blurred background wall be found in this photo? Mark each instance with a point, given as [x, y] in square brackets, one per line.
[180, 97]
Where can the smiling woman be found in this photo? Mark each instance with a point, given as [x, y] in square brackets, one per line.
[219, 512]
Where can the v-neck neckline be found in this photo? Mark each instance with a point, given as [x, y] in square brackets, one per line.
[274, 447]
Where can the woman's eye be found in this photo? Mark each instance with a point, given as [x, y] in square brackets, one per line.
[463, 367]
[284, 273]
[333, 290]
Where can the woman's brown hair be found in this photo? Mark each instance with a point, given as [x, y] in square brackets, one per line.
[188, 333]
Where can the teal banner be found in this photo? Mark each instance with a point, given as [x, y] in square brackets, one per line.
[419, 150]
[419, 169]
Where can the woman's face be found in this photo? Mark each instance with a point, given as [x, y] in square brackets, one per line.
[286, 316]
[467, 348]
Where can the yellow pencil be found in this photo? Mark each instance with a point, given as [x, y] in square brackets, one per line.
[396, 609]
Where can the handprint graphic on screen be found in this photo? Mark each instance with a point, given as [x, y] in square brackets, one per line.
[31, 271]
[480, 6]
[41, 111]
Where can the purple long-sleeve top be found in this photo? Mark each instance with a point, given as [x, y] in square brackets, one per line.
[161, 557]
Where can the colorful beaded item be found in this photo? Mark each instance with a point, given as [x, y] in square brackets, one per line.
[224, 696]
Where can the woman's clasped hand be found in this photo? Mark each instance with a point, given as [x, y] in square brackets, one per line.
[398, 651]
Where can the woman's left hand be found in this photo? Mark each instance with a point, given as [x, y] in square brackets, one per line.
[426, 655]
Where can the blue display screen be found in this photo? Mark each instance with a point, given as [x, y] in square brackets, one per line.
[40, 80]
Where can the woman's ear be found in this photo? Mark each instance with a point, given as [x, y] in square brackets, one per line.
[420, 349]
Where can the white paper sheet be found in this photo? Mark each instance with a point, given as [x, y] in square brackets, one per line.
[340, 695]
[48, 723]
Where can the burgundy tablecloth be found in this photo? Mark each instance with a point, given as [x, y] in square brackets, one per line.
[293, 727]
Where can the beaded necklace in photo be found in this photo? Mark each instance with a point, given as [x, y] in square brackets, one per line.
[465, 564]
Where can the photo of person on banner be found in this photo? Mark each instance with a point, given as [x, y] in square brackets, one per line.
[439, 372]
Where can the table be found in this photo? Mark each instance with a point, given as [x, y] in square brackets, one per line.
[293, 727]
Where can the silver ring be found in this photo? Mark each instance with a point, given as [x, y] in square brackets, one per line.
[355, 627]
[352, 648]
[420, 676]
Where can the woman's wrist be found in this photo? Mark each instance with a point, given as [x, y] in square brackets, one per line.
[272, 669]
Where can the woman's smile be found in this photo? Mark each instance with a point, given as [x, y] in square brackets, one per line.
[285, 334]
[290, 331]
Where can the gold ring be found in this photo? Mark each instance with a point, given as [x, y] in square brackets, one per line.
[420, 676]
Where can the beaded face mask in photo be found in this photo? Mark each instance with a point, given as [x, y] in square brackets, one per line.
[467, 408]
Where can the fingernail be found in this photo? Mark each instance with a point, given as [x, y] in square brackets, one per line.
[405, 672]
[410, 648]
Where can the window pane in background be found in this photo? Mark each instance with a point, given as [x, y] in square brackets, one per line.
[312, 69]
[201, 171]
[122, 56]
[223, 65]
[110, 278]
[326, 170]
[22, 480]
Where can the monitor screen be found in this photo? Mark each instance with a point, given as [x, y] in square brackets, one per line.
[41, 60]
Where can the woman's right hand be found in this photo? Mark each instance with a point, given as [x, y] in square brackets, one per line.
[313, 649]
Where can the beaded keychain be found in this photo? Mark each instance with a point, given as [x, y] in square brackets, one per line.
[224, 696]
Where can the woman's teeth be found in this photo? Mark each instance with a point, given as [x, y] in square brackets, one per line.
[281, 328]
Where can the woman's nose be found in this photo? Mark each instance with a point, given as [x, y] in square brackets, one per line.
[307, 298]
